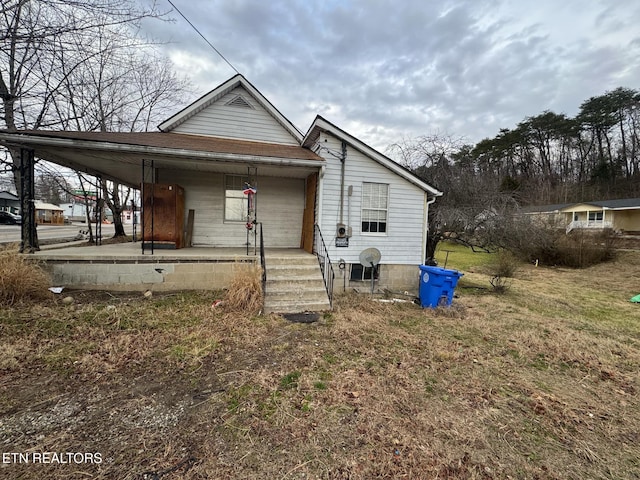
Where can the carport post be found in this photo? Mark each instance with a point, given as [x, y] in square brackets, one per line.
[28, 234]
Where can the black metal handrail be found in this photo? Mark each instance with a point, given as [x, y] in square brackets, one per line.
[263, 261]
[320, 249]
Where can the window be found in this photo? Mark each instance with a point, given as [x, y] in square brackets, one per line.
[595, 216]
[375, 201]
[359, 272]
[235, 202]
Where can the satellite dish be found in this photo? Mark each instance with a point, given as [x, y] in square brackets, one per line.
[370, 257]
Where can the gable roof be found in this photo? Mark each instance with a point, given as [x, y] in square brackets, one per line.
[217, 93]
[5, 195]
[47, 206]
[321, 125]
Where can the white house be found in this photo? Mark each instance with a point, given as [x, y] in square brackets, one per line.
[621, 215]
[9, 202]
[321, 189]
[382, 205]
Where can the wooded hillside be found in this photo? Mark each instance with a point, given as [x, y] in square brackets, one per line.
[548, 158]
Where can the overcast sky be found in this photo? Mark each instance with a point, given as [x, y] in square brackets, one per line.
[383, 70]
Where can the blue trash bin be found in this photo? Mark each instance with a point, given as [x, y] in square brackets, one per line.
[437, 286]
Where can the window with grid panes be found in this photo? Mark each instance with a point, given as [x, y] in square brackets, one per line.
[235, 202]
[375, 202]
[595, 216]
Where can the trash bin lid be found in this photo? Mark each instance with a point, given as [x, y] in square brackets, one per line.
[440, 271]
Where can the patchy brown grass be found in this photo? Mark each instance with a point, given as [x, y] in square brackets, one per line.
[21, 279]
[244, 294]
[540, 382]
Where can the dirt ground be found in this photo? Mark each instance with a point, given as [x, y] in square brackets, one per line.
[541, 382]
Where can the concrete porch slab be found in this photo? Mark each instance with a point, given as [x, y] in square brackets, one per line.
[123, 267]
[132, 251]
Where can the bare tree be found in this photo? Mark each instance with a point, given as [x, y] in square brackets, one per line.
[39, 52]
[471, 203]
[52, 187]
[125, 86]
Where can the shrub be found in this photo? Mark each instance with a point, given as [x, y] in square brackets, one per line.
[579, 249]
[549, 245]
[499, 284]
[245, 290]
[503, 267]
[21, 280]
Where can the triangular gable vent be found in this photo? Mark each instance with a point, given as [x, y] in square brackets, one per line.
[239, 101]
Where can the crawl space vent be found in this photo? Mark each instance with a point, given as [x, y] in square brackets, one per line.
[239, 102]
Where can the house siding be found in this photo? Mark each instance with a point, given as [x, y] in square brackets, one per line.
[403, 242]
[627, 220]
[279, 202]
[228, 121]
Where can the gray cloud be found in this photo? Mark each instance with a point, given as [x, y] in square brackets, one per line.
[383, 69]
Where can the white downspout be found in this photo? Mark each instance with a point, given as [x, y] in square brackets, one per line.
[425, 231]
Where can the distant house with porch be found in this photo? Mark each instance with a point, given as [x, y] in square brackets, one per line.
[48, 213]
[9, 202]
[230, 171]
[622, 215]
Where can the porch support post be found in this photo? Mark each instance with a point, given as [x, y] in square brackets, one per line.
[28, 234]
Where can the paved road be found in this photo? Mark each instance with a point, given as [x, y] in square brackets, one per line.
[11, 233]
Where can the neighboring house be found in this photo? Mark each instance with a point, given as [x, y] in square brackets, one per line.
[9, 202]
[129, 216]
[208, 157]
[49, 213]
[622, 215]
[75, 211]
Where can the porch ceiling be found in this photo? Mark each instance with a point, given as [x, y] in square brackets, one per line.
[120, 156]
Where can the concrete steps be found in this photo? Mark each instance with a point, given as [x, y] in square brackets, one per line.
[294, 285]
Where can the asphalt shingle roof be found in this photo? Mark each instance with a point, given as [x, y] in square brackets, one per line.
[186, 142]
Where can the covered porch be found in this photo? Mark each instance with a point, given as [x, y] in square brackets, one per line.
[211, 172]
[588, 217]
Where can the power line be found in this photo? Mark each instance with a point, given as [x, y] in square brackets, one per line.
[203, 37]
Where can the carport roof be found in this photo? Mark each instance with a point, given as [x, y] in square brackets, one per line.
[119, 156]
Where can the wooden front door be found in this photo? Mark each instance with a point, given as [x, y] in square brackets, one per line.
[309, 214]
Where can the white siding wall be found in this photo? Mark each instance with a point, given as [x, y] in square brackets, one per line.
[222, 120]
[280, 203]
[402, 243]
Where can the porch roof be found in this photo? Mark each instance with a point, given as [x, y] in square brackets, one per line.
[120, 156]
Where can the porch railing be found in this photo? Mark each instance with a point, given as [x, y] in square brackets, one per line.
[328, 275]
[590, 224]
[263, 261]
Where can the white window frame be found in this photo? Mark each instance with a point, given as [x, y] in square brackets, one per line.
[363, 273]
[595, 216]
[242, 197]
[369, 204]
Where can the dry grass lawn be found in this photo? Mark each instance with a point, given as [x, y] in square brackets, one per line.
[538, 383]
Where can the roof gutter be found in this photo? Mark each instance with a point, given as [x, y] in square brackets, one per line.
[35, 141]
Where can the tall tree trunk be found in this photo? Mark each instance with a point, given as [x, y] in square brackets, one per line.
[112, 199]
[26, 188]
